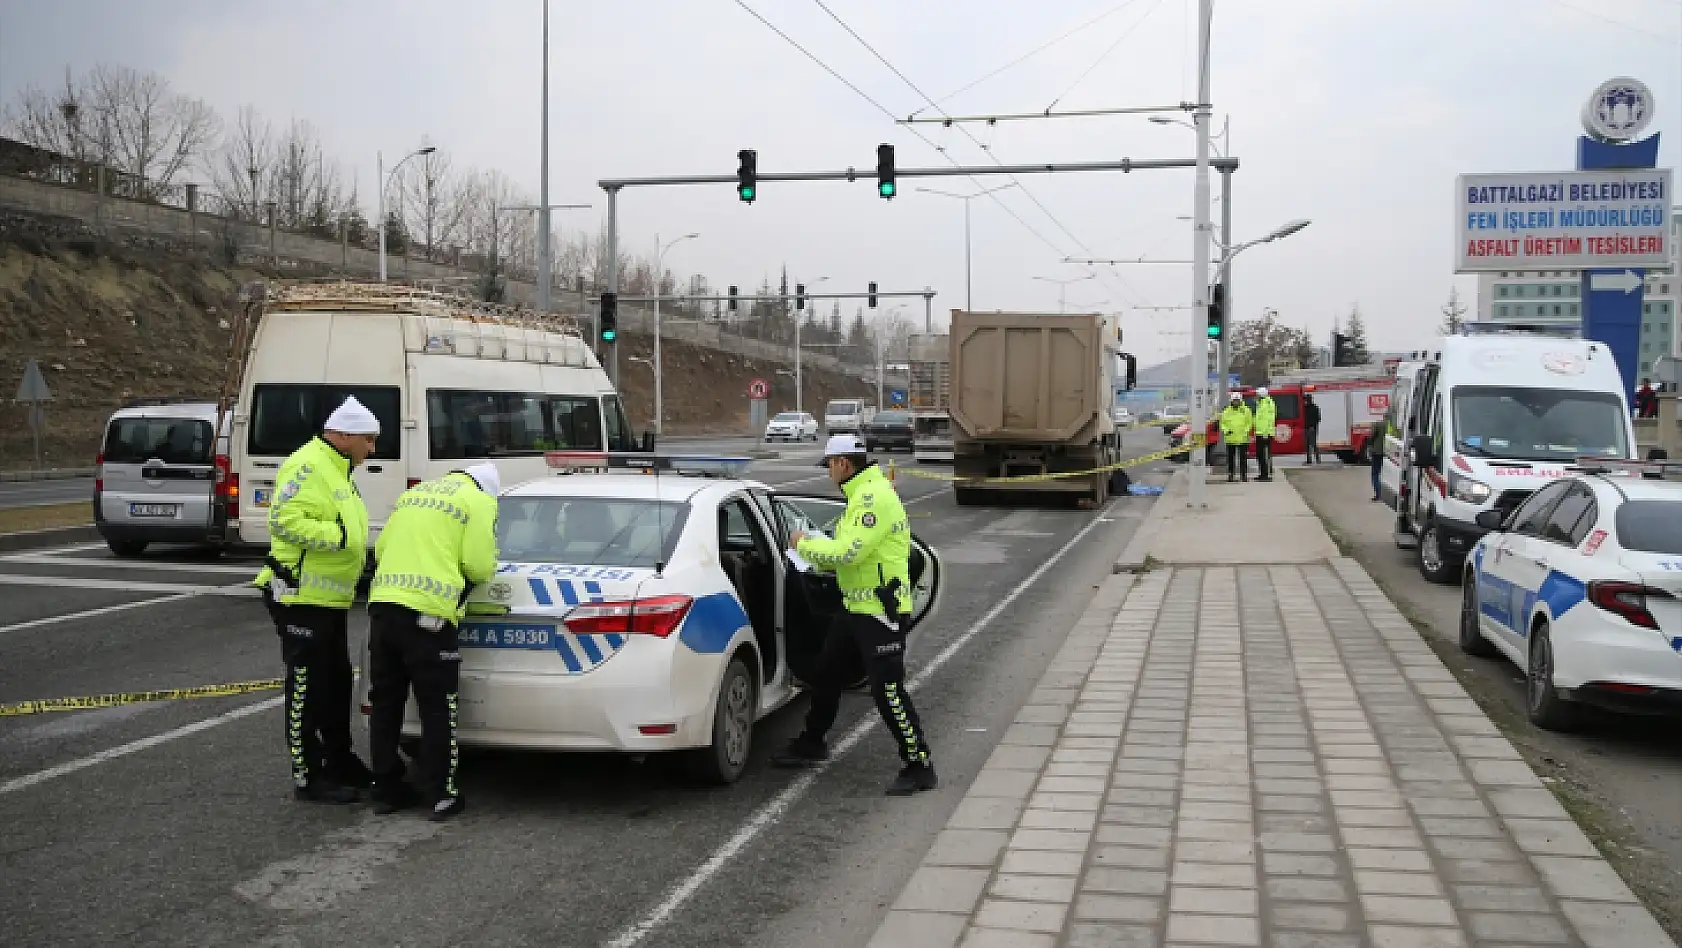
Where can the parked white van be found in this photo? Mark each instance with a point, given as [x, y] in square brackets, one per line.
[1483, 423]
[453, 382]
[846, 415]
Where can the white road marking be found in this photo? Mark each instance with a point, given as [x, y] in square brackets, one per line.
[123, 750]
[237, 590]
[53, 551]
[90, 613]
[773, 811]
[98, 563]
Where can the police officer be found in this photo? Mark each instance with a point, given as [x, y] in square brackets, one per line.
[318, 543]
[1266, 415]
[438, 544]
[871, 557]
[1236, 425]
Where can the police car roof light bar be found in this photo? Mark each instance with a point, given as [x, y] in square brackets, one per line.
[704, 465]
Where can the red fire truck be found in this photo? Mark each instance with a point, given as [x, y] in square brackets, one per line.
[1350, 400]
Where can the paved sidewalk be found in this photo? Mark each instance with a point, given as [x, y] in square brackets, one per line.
[1258, 755]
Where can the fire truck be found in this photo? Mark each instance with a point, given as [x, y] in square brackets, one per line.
[1350, 400]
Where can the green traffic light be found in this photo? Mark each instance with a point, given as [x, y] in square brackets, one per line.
[608, 335]
[886, 188]
[1214, 332]
[746, 193]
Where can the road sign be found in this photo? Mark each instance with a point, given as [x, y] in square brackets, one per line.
[759, 388]
[1626, 281]
[896, 397]
[33, 388]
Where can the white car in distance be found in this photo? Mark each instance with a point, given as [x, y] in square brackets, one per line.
[644, 603]
[1581, 587]
[792, 426]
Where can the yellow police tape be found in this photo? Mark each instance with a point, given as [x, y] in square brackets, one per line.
[1196, 441]
[45, 705]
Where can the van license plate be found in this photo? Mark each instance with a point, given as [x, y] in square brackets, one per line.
[153, 510]
[260, 498]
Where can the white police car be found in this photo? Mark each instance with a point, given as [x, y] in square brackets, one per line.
[1580, 587]
[639, 610]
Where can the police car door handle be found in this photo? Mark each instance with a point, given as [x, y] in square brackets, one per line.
[375, 468]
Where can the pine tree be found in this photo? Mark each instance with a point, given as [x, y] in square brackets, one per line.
[1357, 331]
[1454, 313]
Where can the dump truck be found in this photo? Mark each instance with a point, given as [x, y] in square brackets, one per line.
[1030, 396]
[929, 397]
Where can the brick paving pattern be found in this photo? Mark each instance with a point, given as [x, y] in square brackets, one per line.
[1258, 756]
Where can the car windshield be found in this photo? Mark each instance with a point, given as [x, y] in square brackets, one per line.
[841, 408]
[588, 531]
[892, 418]
[170, 440]
[1537, 424]
[1650, 526]
[786, 416]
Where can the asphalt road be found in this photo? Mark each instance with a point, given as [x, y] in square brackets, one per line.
[1620, 776]
[172, 823]
[45, 493]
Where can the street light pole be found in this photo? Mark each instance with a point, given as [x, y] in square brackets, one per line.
[544, 279]
[799, 387]
[1197, 368]
[1063, 289]
[385, 182]
[969, 301]
[659, 379]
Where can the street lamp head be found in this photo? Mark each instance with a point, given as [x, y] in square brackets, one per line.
[1162, 120]
[1288, 229]
[689, 236]
[427, 150]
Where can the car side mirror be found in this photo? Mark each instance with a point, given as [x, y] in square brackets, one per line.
[1491, 519]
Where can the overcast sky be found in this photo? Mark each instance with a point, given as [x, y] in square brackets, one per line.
[1356, 114]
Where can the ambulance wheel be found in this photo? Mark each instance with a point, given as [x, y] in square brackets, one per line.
[1434, 564]
[732, 738]
[1546, 708]
[1472, 641]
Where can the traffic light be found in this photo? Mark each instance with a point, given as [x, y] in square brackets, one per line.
[872, 296]
[610, 317]
[1132, 370]
[747, 174]
[885, 171]
[732, 299]
[799, 296]
[1342, 352]
[1217, 311]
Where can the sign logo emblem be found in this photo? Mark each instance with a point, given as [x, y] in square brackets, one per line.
[1563, 363]
[1619, 111]
[499, 592]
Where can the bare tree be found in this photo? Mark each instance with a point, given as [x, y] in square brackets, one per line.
[243, 169]
[306, 186]
[437, 199]
[153, 133]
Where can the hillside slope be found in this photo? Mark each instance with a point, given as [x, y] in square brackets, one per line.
[114, 320]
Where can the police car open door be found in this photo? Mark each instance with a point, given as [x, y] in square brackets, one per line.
[815, 513]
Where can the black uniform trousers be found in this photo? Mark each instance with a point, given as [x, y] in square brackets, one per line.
[401, 655]
[1312, 448]
[1264, 457]
[855, 643]
[1238, 459]
[318, 688]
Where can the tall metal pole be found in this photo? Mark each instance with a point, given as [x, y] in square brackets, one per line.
[543, 274]
[1197, 365]
[1223, 347]
[799, 386]
[928, 314]
[969, 299]
[612, 360]
[379, 180]
[659, 400]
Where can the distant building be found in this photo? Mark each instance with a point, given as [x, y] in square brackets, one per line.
[1553, 297]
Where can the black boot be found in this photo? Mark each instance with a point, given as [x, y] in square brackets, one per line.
[913, 778]
[350, 771]
[392, 796]
[803, 751]
[323, 790]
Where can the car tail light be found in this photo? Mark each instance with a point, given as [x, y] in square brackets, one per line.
[1628, 600]
[1621, 688]
[657, 615]
[227, 486]
[99, 473]
[654, 730]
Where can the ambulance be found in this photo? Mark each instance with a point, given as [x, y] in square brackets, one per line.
[1494, 415]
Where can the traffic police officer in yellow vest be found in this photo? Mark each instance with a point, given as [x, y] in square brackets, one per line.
[318, 544]
[439, 543]
[1236, 425]
[871, 557]
[1266, 416]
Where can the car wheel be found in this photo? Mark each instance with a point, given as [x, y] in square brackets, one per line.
[1472, 641]
[1433, 562]
[126, 547]
[1546, 708]
[732, 737]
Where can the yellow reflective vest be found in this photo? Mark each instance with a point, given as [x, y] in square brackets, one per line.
[1236, 424]
[439, 542]
[871, 546]
[318, 530]
[1266, 415]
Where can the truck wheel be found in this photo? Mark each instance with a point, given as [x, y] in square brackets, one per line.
[732, 735]
[1433, 561]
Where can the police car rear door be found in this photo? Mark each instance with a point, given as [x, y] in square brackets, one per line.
[1649, 537]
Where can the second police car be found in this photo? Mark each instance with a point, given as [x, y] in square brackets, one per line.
[645, 603]
[1581, 587]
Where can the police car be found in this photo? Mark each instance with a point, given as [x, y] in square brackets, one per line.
[1580, 587]
[646, 603]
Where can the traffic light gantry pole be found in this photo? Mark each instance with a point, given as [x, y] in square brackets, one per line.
[748, 177]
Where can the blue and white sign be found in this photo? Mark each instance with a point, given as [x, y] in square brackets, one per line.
[896, 397]
[1619, 110]
[1573, 220]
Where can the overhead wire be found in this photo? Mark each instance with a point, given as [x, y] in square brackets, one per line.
[984, 148]
[884, 110]
[1639, 31]
[1104, 55]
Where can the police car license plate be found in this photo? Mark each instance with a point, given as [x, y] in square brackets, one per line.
[529, 635]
